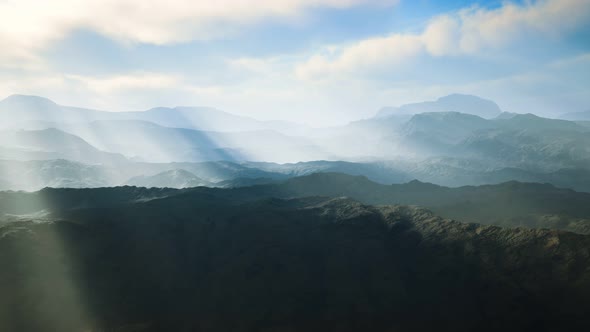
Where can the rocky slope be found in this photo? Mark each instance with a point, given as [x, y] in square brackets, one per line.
[193, 261]
[510, 204]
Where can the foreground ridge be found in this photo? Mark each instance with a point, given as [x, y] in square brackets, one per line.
[199, 262]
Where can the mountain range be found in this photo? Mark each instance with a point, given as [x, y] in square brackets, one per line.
[445, 143]
[26, 110]
[509, 204]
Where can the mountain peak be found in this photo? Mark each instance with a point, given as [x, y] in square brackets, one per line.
[29, 99]
[506, 115]
[174, 178]
[456, 102]
[529, 116]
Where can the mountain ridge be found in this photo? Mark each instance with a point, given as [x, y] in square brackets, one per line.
[510, 204]
[277, 263]
[18, 108]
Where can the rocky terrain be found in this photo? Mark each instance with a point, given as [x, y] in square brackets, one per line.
[133, 259]
[509, 204]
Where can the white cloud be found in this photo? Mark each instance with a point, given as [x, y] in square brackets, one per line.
[363, 56]
[27, 26]
[266, 87]
[482, 28]
[128, 91]
[469, 31]
[441, 36]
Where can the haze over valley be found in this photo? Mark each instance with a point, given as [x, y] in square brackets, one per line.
[441, 142]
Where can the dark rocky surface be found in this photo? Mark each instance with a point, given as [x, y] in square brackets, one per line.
[198, 261]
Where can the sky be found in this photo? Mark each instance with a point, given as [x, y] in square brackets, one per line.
[319, 62]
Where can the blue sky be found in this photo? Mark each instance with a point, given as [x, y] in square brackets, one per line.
[320, 62]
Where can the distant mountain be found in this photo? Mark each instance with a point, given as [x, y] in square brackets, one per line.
[440, 133]
[545, 152]
[381, 172]
[508, 204]
[452, 127]
[460, 103]
[177, 178]
[400, 135]
[445, 171]
[576, 116]
[506, 115]
[209, 119]
[456, 172]
[447, 148]
[500, 141]
[211, 171]
[443, 127]
[198, 259]
[36, 174]
[52, 144]
[531, 122]
[523, 141]
[150, 142]
[530, 142]
[147, 141]
[21, 110]
[244, 182]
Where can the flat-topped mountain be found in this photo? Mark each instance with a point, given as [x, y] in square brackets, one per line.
[461, 103]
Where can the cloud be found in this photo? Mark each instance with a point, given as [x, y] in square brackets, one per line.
[290, 86]
[441, 36]
[364, 56]
[28, 26]
[481, 29]
[470, 31]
